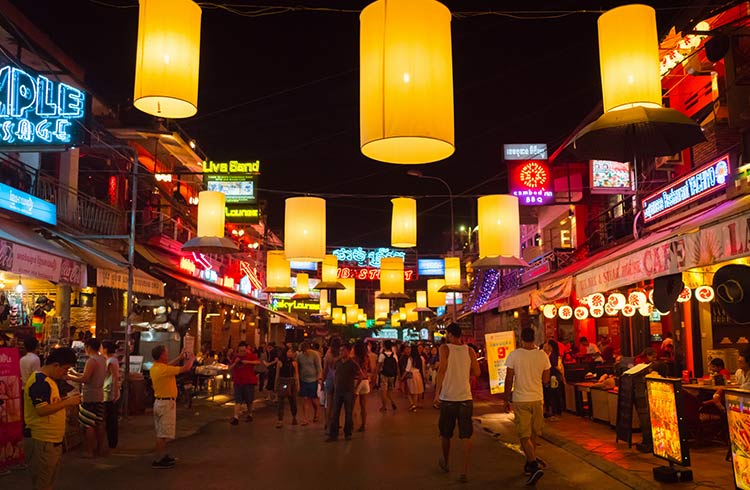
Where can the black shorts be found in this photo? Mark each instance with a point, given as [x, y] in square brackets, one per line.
[450, 412]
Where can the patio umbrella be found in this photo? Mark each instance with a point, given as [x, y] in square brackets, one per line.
[638, 132]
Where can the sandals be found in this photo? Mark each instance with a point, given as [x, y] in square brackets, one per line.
[443, 465]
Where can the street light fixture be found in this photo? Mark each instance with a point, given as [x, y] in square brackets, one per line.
[420, 175]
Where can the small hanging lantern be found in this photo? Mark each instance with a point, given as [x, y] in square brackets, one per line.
[434, 297]
[337, 315]
[597, 300]
[597, 311]
[453, 283]
[565, 312]
[392, 278]
[628, 310]
[210, 238]
[382, 308]
[404, 223]
[278, 273]
[305, 229]
[610, 310]
[345, 297]
[402, 314]
[303, 286]
[329, 273]
[406, 81]
[499, 232]
[549, 311]
[685, 295]
[395, 320]
[646, 309]
[581, 313]
[637, 299]
[411, 314]
[422, 302]
[629, 58]
[167, 58]
[704, 294]
[325, 306]
[362, 317]
[617, 301]
[352, 314]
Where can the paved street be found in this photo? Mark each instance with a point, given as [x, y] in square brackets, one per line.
[399, 450]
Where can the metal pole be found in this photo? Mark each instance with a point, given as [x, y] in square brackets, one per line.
[452, 232]
[131, 268]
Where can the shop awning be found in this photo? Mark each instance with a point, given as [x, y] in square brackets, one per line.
[112, 267]
[518, 300]
[713, 236]
[25, 252]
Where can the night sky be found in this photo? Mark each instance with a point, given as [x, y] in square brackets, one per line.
[284, 89]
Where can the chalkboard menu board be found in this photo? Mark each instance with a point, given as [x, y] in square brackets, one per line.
[624, 427]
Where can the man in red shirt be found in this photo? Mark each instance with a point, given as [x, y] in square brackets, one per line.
[245, 380]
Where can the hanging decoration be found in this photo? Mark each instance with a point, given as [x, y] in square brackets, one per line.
[646, 310]
[325, 305]
[278, 273]
[406, 82]
[337, 315]
[616, 301]
[404, 222]
[565, 312]
[597, 311]
[453, 282]
[484, 288]
[382, 307]
[637, 299]
[549, 311]
[596, 300]
[610, 310]
[422, 302]
[629, 310]
[685, 295]
[167, 58]
[329, 273]
[352, 314]
[210, 238]
[392, 278]
[704, 294]
[345, 297]
[412, 315]
[305, 229]
[395, 320]
[581, 313]
[402, 314]
[303, 286]
[499, 232]
[435, 298]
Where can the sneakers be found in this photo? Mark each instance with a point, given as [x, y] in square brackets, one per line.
[234, 421]
[534, 472]
[164, 463]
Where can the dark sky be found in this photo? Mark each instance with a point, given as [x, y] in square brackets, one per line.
[293, 81]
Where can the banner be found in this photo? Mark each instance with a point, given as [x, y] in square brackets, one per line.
[552, 292]
[499, 345]
[34, 263]
[11, 400]
[710, 245]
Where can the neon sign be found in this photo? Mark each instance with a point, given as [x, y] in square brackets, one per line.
[36, 111]
[530, 181]
[695, 185]
[187, 265]
[366, 257]
[22, 203]
[368, 273]
[231, 167]
[236, 180]
[289, 305]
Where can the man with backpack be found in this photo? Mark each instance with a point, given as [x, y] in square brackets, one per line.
[389, 372]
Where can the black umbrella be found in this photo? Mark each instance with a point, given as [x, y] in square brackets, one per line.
[638, 132]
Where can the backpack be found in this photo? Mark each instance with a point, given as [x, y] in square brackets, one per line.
[390, 367]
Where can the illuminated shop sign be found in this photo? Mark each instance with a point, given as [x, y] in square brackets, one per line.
[237, 181]
[361, 257]
[12, 199]
[431, 267]
[292, 305]
[369, 273]
[525, 151]
[38, 112]
[609, 177]
[697, 184]
[531, 182]
[303, 266]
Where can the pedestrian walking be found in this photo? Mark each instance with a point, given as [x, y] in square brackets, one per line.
[272, 355]
[347, 373]
[91, 410]
[389, 373]
[361, 356]
[372, 353]
[528, 370]
[29, 363]
[44, 416]
[458, 363]
[329, 370]
[311, 375]
[287, 384]
[553, 391]
[245, 380]
[163, 379]
[261, 370]
[112, 384]
[414, 376]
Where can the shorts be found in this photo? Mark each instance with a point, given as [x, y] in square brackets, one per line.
[308, 389]
[44, 463]
[529, 418]
[91, 414]
[452, 412]
[363, 387]
[387, 382]
[165, 418]
[244, 394]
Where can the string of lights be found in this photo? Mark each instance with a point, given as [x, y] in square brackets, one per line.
[486, 287]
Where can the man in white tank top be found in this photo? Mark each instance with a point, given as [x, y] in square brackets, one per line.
[458, 363]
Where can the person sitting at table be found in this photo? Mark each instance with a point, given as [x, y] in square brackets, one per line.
[666, 351]
[716, 367]
[743, 373]
[606, 349]
[589, 349]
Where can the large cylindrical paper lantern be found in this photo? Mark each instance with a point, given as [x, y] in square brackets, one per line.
[411, 314]
[391, 276]
[278, 272]
[402, 314]
[404, 222]
[406, 81]
[382, 308]
[434, 297]
[421, 299]
[499, 226]
[329, 268]
[629, 58]
[395, 320]
[325, 306]
[345, 297]
[305, 229]
[352, 314]
[303, 284]
[337, 316]
[168, 58]
[211, 213]
[452, 271]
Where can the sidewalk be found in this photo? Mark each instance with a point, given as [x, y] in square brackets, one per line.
[594, 443]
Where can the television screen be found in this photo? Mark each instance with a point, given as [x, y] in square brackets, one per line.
[431, 267]
[665, 409]
[609, 177]
[738, 417]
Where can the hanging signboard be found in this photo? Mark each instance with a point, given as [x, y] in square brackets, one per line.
[39, 113]
[11, 199]
[11, 422]
[236, 180]
[531, 182]
[738, 418]
[499, 345]
[609, 177]
[525, 151]
[702, 182]
[22, 260]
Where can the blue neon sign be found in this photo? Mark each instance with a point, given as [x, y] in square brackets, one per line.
[36, 111]
[431, 267]
[19, 202]
[366, 257]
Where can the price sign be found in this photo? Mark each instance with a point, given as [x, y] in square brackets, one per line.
[499, 345]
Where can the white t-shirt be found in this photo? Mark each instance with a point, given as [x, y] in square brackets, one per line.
[528, 365]
[29, 363]
[742, 380]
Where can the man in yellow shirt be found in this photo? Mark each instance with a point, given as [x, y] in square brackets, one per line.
[44, 414]
[163, 374]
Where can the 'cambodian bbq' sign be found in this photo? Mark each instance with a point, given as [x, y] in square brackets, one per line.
[697, 184]
[531, 182]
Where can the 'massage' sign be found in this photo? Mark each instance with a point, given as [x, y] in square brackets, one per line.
[699, 183]
[36, 111]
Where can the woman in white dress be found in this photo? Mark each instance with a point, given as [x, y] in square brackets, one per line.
[414, 375]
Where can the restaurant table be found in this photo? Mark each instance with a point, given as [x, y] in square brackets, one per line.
[583, 398]
[210, 373]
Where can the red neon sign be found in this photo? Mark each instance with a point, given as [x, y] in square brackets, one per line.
[368, 273]
[530, 181]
